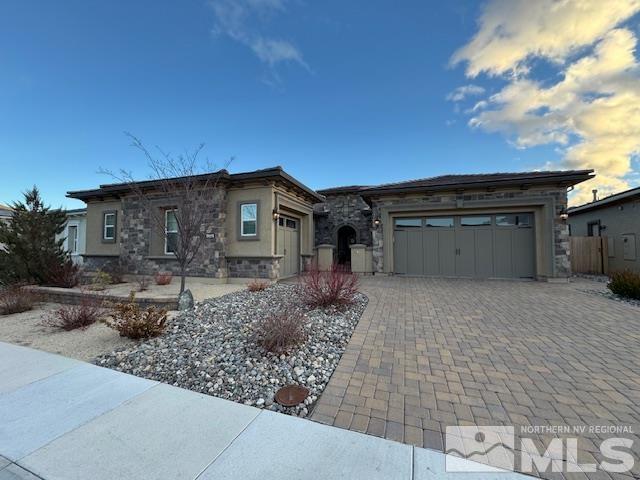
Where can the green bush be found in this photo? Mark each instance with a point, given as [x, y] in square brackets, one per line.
[625, 283]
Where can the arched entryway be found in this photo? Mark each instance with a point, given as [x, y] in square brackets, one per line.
[346, 238]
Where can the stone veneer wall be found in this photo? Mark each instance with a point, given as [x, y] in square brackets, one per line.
[345, 209]
[560, 228]
[254, 267]
[135, 229]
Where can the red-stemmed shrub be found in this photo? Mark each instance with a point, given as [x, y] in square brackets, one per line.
[280, 331]
[15, 299]
[336, 287]
[257, 285]
[65, 275]
[71, 317]
[625, 283]
[163, 278]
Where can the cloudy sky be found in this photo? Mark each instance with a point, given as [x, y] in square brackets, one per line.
[336, 92]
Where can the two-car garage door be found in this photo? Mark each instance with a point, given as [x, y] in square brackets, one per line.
[484, 246]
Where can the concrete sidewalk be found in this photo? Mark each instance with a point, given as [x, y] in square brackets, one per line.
[64, 419]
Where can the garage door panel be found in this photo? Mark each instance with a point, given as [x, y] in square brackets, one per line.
[523, 246]
[431, 249]
[503, 253]
[447, 252]
[400, 251]
[415, 252]
[484, 253]
[465, 258]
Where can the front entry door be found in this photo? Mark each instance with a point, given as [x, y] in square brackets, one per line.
[288, 246]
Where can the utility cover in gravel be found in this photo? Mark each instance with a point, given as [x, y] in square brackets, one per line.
[213, 349]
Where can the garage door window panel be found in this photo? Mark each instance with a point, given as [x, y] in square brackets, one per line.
[440, 222]
[476, 221]
[408, 222]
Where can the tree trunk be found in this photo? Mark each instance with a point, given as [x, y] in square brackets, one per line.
[183, 278]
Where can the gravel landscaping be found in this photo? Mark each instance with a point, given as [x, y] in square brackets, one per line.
[213, 349]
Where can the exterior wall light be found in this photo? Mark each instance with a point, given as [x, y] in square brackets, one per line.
[276, 215]
[376, 222]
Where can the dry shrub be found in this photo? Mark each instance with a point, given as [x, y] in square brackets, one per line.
[100, 281]
[65, 275]
[257, 285]
[280, 331]
[116, 269]
[15, 299]
[163, 278]
[143, 282]
[71, 317]
[625, 283]
[134, 322]
[336, 287]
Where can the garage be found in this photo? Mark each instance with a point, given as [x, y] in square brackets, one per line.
[500, 245]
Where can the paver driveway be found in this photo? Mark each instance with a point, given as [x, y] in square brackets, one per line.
[429, 353]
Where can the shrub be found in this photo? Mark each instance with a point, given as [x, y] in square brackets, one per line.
[143, 282]
[100, 281]
[15, 299]
[280, 331]
[65, 275]
[134, 322]
[257, 285]
[625, 283]
[163, 278]
[336, 287]
[116, 269]
[71, 317]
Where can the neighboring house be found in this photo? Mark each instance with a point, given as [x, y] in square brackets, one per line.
[74, 234]
[265, 224]
[5, 213]
[616, 217]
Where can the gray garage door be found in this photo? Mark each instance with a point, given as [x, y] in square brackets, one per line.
[482, 246]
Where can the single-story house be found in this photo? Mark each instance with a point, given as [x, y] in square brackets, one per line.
[74, 234]
[267, 224]
[617, 218]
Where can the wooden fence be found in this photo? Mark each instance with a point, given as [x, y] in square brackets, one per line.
[590, 255]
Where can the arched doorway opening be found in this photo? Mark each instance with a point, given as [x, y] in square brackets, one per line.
[346, 238]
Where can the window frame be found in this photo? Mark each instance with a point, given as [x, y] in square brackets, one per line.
[167, 232]
[105, 214]
[72, 248]
[240, 228]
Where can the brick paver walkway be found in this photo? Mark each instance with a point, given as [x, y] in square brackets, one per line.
[429, 353]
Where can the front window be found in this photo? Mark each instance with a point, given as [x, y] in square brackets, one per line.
[109, 231]
[171, 231]
[72, 239]
[249, 219]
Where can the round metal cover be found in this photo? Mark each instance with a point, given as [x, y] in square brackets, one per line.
[291, 395]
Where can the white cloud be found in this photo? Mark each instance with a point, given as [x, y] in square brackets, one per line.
[464, 91]
[592, 112]
[243, 20]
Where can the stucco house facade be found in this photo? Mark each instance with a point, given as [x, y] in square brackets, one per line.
[617, 218]
[74, 234]
[267, 224]
[260, 226]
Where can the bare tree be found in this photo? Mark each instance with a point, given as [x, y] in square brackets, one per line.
[179, 184]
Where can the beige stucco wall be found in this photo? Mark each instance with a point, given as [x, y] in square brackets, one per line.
[262, 246]
[94, 242]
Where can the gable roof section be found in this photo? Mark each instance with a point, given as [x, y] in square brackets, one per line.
[342, 190]
[273, 173]
[456, 182]
[608, 201]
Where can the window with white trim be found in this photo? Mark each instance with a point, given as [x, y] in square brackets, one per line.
[249, 220]
[72, 239]
[109, 222]
[171, 232]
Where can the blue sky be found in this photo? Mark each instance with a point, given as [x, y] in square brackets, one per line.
[335, 92]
